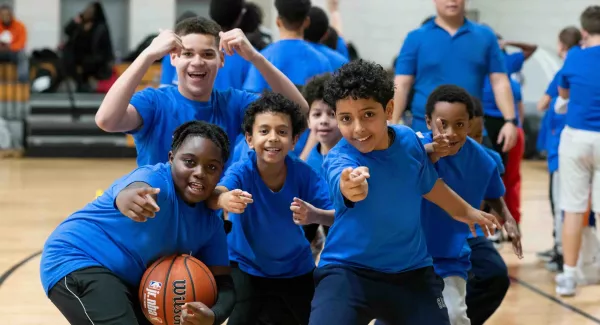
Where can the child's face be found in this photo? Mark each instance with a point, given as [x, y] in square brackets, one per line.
[562, 50]
[455, 122]
[321, 120]
[271, 137]
[476, 129]
[196, 168]
[198, 64]
[363, 122]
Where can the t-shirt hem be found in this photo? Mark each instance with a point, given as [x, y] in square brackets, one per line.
[66, 271]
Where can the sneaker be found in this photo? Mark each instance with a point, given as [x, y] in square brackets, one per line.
[546, 256]
[555, 264]
[565, 286]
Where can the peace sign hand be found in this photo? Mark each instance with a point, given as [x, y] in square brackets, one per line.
[441, 141]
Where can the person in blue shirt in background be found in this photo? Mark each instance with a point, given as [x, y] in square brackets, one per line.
[451, 49]
[468, 170]
[321, 119]
[316, 31]
[271, 258]
[93, 262]
[197, 47]
[378, 177]
[291, 54]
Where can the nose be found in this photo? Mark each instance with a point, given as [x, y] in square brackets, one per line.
[273, 137]
[197, 60]
[358, 127]
[199, 172]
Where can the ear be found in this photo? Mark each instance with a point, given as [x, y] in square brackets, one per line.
[389, 109]
[171, 157]
[278, 22]
[306, 23]
[249, 140]
[173, 58]
[428, 121]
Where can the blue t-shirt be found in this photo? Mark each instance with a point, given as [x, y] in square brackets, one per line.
[296, 59]
[514, 62]
[474, 176]
[336, 59]
[551, 127]
[342, 47]
[581, 74]
[315, 160]
[164, 109]
[434, 57]
[488, 100]
[167, 71]
[99, 235]
[382, 232]
[264, 240]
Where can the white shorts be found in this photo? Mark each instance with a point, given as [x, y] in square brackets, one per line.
[579, 165]
[455, 293]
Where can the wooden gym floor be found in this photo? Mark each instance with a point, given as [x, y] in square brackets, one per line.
[35, 195]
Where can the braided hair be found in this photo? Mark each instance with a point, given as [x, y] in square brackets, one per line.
[202, 129]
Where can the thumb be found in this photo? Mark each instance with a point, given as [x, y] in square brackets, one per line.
[346, 173]
[364, 171]
[236, 192]
[300, 202]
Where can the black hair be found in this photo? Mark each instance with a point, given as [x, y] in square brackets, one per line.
[477, 107]
[331, 38]
[359, 79]
[252, 18]
[570, 36]
[590, 20]
[315, 88]
[293, 13]
[226, 12]
[271, 102]
[185, 15]
[99, 14]
[202, 129]
[198, 25]
[319, 24]
[449, 94]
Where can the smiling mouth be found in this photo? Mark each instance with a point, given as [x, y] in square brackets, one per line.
[196, 187]
[363, 139]
[197, 75]
[272, 150]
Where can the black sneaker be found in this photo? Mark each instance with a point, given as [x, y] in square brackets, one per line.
[547, 255]
[555, 264]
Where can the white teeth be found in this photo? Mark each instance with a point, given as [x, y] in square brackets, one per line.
[272, 149]
[363, 139]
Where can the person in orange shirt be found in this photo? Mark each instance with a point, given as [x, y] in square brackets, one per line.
[13, 36]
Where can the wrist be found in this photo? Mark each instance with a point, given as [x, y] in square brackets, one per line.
[257, 58]
[147, 57]
[511, 120]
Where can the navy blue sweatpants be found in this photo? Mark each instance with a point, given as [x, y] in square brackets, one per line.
[489, 282]
[352, 296]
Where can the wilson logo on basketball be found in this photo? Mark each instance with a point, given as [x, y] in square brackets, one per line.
[179, 298]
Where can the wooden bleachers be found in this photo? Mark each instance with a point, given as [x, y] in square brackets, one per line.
[150, 79]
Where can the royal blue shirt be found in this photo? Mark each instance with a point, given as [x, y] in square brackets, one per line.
[167, 72]
[434, 57]
[488, 100]
[315, 160]
[382, 232]
[264, 240]
[336, 59]
[342, 47]
[99, 235]
[498, 159]
[296, 59]
[474, 176]
[581, 74]
[164, 109]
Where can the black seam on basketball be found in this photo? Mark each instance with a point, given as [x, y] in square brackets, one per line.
[144, 281]
[166, 286]
[214, 285]
[190, 275]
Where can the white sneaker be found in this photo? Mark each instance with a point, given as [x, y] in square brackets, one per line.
[565, 286]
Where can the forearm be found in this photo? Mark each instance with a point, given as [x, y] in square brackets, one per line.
[499, 206]
[503, 95]
[311, 142]
[521, 108]
[528, 49]
[279, 83]
[444, 197]
[325, 217]
[225, 298]
[213, 201]
[111, 115]
[400, 97]
[544, 103]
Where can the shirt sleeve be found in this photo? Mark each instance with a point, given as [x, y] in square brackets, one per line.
[515, 61]
[318, 192]
[149, 176]
[496, 62]
[552, 89]
[427, 173]
[495, 188]
[333, 165]
[563, 80]
[406, 64]
[233, 176]
[145, 103]
[215, 252]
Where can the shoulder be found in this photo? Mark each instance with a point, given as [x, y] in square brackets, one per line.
[406, 135]
[479, 152]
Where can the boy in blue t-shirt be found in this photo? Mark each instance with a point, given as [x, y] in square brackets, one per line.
[321, 119]
[377, 243]
[152, 115]
[579, 82]
[314, 34]
[93, 262]
[271, 259]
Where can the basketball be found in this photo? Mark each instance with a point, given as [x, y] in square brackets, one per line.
[171, 282]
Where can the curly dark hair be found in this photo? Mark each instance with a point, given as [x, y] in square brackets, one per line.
[271, 102]
[205, 130]
[198, 25]
[359, 79]
[315, 88]
[293, 13]
[449, 94]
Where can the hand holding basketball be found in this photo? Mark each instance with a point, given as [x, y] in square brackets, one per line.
[303, 213]
[353, 183]
[138, 203]
[235, 201]
[236, 41]
[166, 42]
[197, 313]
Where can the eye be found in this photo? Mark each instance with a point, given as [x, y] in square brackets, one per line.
[189, 162]
[316, 114]
[345, 119]
[212, 167]
[263, 131]
[369, 114]
[208, 55]
[188, 54]
[460, 124]
[283, 132]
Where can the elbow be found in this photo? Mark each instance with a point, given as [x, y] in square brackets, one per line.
[103, 121]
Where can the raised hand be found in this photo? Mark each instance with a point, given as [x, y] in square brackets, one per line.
[441, 141]
[353, 183]
[235, 201]
[137, 203]
[236, 41]
[166, 42]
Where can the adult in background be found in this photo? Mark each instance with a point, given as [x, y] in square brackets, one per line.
[451, 49]
[13, 37]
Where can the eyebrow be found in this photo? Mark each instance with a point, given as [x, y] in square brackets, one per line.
[192, 155]
[276, 126]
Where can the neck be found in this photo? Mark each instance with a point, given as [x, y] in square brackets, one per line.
[450, 23]
[273, 175]
[325, 147]
[592, 40]
[197, 98]
[285, 34]
[385, 142]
